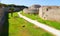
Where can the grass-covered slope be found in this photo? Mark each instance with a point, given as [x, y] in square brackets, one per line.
[20, 27]
[47, 22]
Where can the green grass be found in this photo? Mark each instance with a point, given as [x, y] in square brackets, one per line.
[53, 24]
[16, 27]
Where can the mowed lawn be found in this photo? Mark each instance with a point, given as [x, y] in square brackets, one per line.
[20, 27]
[36, 17]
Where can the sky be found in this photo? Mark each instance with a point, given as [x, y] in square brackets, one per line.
[31, 2]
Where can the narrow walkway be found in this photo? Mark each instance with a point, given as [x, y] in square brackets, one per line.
[43, 26]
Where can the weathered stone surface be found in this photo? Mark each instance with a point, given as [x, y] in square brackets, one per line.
[34, 9]
[1, 14]
[50, 13]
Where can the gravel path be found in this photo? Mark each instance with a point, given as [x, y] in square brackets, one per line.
[43, 26]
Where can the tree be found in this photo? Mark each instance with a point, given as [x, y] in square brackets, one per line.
[11, 10]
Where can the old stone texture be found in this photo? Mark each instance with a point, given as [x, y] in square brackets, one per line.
[34, 9]
[50, 13]
[1, 14]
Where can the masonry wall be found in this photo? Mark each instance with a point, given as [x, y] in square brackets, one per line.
[50, 13]
[1, 14]
[2, 19]
[34, 9]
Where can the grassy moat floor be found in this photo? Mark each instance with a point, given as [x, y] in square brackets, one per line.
[36, 17]
[20, 27]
